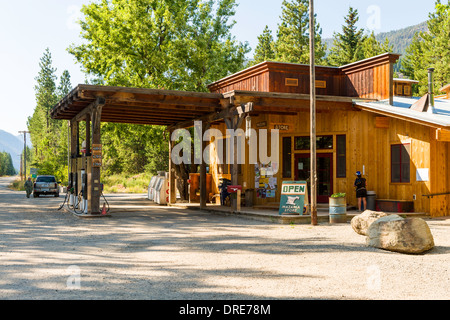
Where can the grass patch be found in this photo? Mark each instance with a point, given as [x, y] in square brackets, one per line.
[137, 183]
[17, 185]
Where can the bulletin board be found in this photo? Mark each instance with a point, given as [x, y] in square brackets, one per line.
[266, 183]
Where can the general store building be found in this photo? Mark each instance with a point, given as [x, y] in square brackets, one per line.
[366, 121]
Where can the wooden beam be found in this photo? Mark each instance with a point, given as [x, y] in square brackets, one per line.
[224, 113]
[203, 179]
[172, 180]
[158, 98]
[100, 101]
[234, 122]
[95, 190]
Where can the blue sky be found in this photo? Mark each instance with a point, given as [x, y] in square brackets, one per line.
[27, 27]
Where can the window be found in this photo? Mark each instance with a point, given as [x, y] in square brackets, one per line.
[46, 179]
[341, 156]
[323, 142]
[400, 163]
[407, 90]
[287, 161]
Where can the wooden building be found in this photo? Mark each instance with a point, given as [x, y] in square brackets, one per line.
[400, 143]
[364, 123]
[403, 87]
[446, 89]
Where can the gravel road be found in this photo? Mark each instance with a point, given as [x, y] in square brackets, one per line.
[166, 254]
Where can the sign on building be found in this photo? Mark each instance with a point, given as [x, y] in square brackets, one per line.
[292, 199]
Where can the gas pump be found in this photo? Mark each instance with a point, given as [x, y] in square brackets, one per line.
[73, 201]
[70, 189]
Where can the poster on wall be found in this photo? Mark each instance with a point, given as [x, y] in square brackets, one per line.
[292, 201]
[265, 182]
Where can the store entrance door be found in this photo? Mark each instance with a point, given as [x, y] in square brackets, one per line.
[324, 173]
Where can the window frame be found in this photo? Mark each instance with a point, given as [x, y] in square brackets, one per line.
[403, 147]
[317, 140]
[341, 157]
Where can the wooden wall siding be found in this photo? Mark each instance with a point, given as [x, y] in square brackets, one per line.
[368, 79]
[370, 147]
[370, 83]
[277, 83]
[440, 176]
[258, 82]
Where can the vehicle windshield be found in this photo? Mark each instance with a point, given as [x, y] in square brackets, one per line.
[46, 179]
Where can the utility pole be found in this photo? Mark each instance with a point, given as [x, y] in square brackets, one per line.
[21, 177]
[24, 153]
[313, 143]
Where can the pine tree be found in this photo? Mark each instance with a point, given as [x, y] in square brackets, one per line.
[265, 49]
[6, 165]
[430, 50]
[48, 136]
[371, 47]
[414, 65]
[346, 44]
[65, 86]
[292, 43]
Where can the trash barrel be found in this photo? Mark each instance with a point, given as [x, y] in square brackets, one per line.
[338, 210]
[371, 196]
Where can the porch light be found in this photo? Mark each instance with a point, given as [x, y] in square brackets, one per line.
[248, 127]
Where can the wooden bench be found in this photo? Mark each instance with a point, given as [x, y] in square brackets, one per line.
[400, 206]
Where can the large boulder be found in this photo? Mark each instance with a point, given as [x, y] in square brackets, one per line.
[361, 222]
[393, 233]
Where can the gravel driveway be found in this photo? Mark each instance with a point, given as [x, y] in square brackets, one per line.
[166, 253]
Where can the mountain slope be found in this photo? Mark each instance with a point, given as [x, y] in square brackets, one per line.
[13, 145]
[400, 39]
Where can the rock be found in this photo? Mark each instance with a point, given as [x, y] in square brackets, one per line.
[393, 233]
[361, 222]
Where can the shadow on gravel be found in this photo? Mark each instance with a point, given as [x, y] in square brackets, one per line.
[38, 244]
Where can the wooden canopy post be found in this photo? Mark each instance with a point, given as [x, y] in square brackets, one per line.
[203, 178]
[74, 150]
[88, 135]
[95, 187]
[234, 122]
[172, 180]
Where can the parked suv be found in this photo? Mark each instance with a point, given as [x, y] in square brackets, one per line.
[46, 185]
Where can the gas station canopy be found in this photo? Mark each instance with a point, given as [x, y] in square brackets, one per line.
[138, 106]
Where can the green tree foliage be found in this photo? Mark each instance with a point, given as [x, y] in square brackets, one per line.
[372, 47]
[431, 50]
[160, 44]
[292, 43]
[6, 165]
[165, 44]
[48, 136]
[346, 45]
[265, 50]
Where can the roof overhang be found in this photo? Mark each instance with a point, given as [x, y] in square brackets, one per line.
[136, 105]
[180, 108]
[439, 119]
